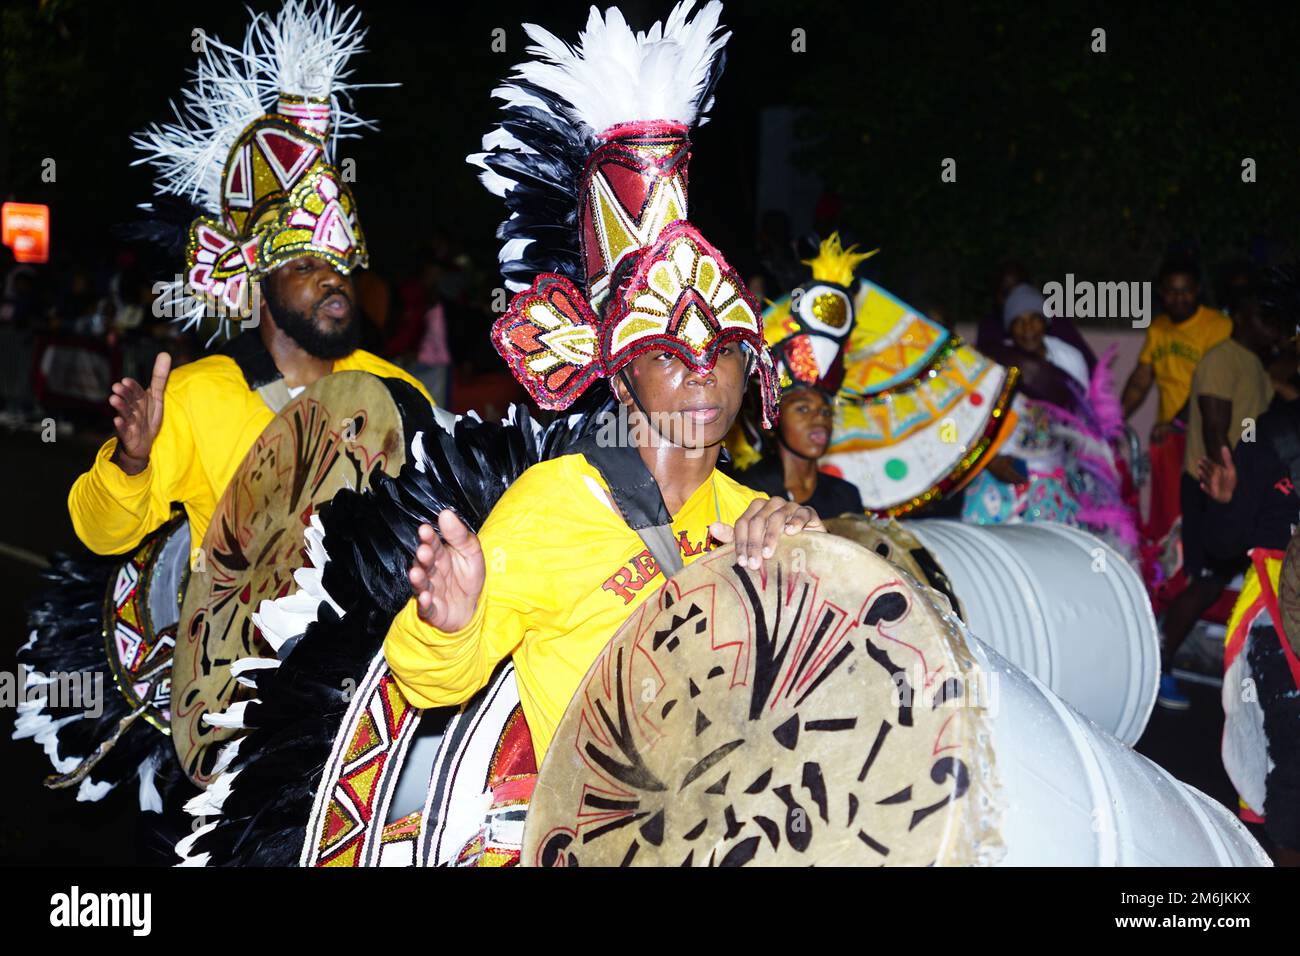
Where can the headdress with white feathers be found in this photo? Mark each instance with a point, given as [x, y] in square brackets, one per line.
[299, 55]
[558, 105]
[303, 51]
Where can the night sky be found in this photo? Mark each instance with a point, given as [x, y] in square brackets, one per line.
[1072, 160]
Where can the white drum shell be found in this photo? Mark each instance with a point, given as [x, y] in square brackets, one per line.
[1073, 795]
[1061, 605]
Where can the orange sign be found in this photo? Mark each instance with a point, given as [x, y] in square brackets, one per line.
[25, 228]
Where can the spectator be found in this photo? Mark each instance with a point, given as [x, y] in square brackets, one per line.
[1027, 327]
[1229, 388]
[1057, 465]
[1175, 342]
[1253, 505]
[433, 360]
[993, 331]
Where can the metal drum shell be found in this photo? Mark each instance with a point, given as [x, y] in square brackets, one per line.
[1073, 795]
[1030, 592]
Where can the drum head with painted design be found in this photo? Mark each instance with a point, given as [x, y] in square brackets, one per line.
[817, 712]
[336, 434]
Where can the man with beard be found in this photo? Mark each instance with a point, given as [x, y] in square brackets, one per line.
[275, 246]
[271, 237]
[182, 438]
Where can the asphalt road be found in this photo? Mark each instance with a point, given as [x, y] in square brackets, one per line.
[38, 826]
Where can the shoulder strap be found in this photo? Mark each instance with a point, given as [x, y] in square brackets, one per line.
[258, 368]
[254, 361]
[637, 497]
[275, 394]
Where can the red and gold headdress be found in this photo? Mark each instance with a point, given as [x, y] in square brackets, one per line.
[251, 145]
[591, 160]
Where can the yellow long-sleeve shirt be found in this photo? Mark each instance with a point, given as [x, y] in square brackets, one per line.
[563, 572]
[210, 419]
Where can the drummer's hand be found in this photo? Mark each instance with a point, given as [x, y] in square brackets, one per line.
[1218, 479]
[139, 416]
[447, 575]
[758, 529]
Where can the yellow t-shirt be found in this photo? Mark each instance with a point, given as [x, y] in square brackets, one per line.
[1173, 351]
[210, 420]
[563, 572]
[1233, 372]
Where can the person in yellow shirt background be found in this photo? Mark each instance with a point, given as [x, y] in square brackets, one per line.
[1174, 344]
[578, 542]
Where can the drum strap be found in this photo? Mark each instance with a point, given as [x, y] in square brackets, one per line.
[275, 394]
[258, 368]
[637, 497]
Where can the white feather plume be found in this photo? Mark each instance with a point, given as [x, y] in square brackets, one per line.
[609, 77]
[614, 76]
[303, 51]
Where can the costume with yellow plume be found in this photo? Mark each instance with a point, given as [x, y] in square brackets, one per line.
[917, 411]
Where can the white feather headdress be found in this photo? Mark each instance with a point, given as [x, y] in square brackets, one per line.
[303, 51]
[557, 105]
[613, 76]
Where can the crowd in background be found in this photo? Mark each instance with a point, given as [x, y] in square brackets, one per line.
[68, 331]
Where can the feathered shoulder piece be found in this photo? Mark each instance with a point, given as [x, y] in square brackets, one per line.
[250, 144]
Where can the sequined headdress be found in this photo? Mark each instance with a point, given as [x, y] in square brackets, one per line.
[809, 330]
[591, 159]
[251, 145]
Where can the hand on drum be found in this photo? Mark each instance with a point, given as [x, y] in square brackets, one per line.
[758, 529]
[447, 574]
[139, 416]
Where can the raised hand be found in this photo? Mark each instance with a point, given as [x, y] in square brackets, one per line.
[1218, 479]
[447, 575]
[139, 416]
[759, 528]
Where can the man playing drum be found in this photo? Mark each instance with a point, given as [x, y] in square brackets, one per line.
[271, 237]
[578, 542]
[280, 221]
